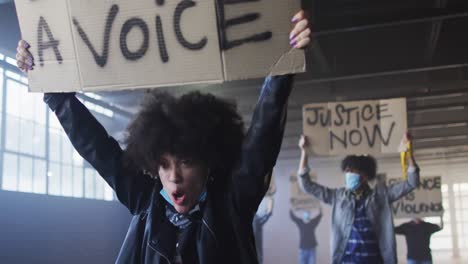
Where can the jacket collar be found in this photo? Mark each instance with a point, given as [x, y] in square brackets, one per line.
[200, 234]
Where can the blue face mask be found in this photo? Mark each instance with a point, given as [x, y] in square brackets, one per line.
[164, 194]
[352, 180]
[306, 216]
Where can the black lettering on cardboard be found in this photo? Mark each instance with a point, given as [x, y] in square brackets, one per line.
[438, 182]
[242, 19]
[396, 207]
[380, 109]
[126, 28]
[161, 41]
[343, 140]
[430, 183]
[51, 43]
[358, 117]
[339, 119]
[348, 114]
[325, 118]
[316, 110]
[355, 137]
[410, 196]
[225, 24]
[101, 60]
[418, 208]
[370, 113]
[181, 7]
[376, 130]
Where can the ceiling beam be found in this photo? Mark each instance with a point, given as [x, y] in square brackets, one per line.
[369, 20]
[434, 34]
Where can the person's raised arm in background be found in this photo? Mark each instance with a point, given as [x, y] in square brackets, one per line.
[325, 194]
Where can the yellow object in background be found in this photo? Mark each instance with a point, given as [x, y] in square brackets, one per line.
[404, 159]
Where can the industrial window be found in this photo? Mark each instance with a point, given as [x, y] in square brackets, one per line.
[36, 155]
[442, 240]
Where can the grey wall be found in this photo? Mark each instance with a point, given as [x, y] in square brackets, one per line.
[48, 229]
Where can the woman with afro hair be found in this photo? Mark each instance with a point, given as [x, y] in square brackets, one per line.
[190, 175]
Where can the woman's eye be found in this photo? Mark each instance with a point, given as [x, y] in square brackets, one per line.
[163, 164]
[187, 162]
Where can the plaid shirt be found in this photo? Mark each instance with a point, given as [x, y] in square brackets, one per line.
[377, 205]
[362, 246]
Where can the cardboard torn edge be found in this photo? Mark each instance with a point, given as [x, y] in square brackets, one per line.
[293, 61]
[117, 87]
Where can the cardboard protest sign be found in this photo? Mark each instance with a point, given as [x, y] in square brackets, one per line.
[358, 127]
[299, 200]
[87, 45]
[424, 201]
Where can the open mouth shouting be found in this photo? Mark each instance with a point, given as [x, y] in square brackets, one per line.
[178, 197]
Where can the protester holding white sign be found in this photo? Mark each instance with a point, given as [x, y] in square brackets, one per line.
[189, 175]
[362, 220]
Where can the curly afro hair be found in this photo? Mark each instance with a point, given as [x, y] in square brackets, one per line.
[198, 126]
[365, 164]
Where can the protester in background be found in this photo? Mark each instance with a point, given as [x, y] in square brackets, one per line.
[308, 243]
[260, 219]
[362, 220]
[418, 238]
[208, 178]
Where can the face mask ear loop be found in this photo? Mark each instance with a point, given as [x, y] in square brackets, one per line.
[208, 179]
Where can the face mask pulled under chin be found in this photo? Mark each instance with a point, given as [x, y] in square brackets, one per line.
[352, 180]
[164, 194]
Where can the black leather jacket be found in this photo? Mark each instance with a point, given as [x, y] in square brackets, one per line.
[222, 233]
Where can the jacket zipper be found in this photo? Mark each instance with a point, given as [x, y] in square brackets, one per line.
[161, 254]
[211, 231]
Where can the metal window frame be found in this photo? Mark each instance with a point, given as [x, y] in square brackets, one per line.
[46, 158]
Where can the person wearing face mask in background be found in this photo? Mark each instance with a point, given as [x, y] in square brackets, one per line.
[362, 220]
[308, 243]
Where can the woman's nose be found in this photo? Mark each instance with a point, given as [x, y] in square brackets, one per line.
[174, 174]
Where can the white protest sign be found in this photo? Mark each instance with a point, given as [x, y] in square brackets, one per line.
[424, 201]
[88, 45]
[299, 200]
[358, 127]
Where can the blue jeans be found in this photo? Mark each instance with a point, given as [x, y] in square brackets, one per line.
[307, 256]
[412, 261]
